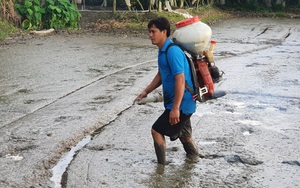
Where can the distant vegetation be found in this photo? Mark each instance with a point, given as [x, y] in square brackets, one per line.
[146, 4]
[64, 14]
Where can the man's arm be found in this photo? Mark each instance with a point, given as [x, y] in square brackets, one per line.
[155, 83]
[179, 91]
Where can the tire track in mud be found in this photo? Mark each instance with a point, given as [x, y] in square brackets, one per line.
[270, 44]
[76, 90]
[134, 72]
[60, 171]
[63, 175]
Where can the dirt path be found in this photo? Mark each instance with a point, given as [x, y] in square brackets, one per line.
[56, 90]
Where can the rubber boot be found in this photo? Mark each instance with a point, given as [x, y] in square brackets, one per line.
[160, 153]
[191, 151]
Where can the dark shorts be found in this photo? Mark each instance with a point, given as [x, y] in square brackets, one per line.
[181, 129]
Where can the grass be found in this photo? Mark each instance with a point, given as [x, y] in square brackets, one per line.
[139, 21]
[6, 29]
[209, 14]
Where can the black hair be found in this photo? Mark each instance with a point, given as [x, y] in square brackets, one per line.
[161, 23]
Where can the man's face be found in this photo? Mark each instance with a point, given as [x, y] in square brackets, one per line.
[157, 37]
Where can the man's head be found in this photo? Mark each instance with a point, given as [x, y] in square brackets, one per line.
[159, 31]
[160, 23]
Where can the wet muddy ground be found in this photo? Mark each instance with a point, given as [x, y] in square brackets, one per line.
[60, 90]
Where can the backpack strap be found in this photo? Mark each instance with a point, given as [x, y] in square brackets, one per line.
[193, 71]
[169, 46]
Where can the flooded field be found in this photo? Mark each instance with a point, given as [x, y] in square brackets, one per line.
[72, 94]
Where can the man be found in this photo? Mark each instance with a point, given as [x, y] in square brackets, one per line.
[173, 73]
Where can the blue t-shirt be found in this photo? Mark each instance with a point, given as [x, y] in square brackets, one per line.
[177, 63]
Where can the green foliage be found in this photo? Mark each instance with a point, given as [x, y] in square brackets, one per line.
[61, 14]
[32, 11]
[281, 14]
[57, 14]
[277, 8]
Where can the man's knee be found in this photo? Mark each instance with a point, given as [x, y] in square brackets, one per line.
[157, 137]
[154, 133]
[185, 139]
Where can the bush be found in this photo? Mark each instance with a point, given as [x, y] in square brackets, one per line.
[32, 11]
[61, 14]
[57, 14]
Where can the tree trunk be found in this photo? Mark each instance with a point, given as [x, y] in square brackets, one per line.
[159, 6]
[168, 6]
[181, 3]
[174, 3]
[280, 2]
[114, 6]
[104, 3]
[128, 4]
[150, 6]
[222, 2]
[140, 4]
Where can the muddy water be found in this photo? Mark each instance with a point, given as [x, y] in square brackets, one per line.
[70, 81]
[56, 90]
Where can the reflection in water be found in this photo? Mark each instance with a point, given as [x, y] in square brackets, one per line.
[172, 175]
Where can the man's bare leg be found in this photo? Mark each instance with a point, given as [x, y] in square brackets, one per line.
[160, 147]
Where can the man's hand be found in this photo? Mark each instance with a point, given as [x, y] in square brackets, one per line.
[174, 116]
[156, 82]
[140, 96]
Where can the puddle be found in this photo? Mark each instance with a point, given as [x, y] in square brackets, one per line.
[64, 162]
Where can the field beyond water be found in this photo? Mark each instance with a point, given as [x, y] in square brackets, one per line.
[134, 23]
